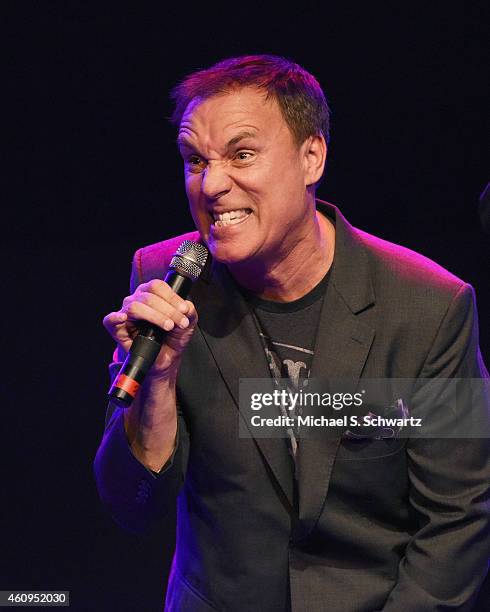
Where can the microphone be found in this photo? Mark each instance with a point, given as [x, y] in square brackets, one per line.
[185, 267]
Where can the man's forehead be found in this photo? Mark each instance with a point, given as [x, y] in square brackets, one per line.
[243, 108]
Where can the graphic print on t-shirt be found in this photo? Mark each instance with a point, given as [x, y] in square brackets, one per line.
[290, 363]
[293, 370]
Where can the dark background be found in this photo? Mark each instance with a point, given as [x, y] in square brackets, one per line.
[95, 175]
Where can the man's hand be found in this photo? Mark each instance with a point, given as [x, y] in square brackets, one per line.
[155, 302]
[151, 420]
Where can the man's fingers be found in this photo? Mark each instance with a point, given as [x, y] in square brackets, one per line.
[191, 312]
[161, 306]
[167, 319]
[156, 303]
[114, 318]
[161, 289]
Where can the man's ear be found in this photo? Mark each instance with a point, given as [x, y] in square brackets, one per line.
[315, 155]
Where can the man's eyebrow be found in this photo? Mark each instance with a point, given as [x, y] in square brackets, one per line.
[183, 142]
[238, 137]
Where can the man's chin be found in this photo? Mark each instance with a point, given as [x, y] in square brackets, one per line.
[228, 254]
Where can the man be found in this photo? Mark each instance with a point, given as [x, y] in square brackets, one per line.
[335, 524]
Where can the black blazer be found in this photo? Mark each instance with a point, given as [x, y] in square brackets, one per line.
[376, 524]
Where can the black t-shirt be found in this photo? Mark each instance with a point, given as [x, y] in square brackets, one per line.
[289, 331]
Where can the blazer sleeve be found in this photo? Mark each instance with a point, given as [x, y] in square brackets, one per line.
[446, 561]
[134, 495]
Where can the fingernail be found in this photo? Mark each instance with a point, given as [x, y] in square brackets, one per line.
[184, 322]
[168, 324]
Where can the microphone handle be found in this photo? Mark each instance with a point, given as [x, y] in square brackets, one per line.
[144, 350]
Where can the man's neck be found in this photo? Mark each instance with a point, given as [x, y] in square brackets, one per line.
[298, 272]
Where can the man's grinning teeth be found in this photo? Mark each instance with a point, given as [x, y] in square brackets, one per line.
[231, 218]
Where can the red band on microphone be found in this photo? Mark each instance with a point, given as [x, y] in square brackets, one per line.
[127, 384]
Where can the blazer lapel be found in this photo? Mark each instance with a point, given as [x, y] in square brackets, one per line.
[342, 347]
[229, 331]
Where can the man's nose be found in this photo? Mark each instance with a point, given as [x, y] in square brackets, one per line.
[215, 181]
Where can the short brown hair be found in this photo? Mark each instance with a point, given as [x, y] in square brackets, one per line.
[298, 93]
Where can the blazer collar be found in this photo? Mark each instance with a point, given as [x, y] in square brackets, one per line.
[342, 346]
[350, 269]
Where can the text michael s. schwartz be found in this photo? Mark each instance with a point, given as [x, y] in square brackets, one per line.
[368, 420]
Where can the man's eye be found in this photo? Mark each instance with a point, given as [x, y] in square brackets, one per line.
[194, 163]
[243, 155]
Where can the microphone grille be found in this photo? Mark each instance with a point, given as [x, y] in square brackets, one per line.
[190, 259]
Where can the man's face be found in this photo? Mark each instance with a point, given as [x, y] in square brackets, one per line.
[245, 176]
